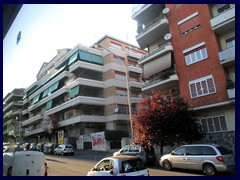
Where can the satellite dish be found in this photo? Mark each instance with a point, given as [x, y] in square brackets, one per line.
[168, 36]
[165, 10]
[116, 109]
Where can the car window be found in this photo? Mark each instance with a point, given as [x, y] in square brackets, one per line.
[194, 150]
[224, 150]
[132, 166]
[206, 150]
[179, 151]
[68, 146]
[125, 149]
[134, 149]
[105, 165]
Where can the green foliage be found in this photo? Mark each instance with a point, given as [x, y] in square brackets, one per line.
[165, 120]
[115, 135]
[230, 84]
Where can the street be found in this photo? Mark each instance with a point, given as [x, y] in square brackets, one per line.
[83, 161]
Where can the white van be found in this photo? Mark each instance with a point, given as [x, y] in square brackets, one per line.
[24, 163]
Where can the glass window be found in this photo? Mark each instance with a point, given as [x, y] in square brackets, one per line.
[193, 150]
[204, 125]
[179, 151]
[223, 123]
[216, 123]
[206, 150]
[210, 125]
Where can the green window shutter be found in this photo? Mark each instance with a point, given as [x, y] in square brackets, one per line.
[74, 91]
[55, 86]
[49, 105]
[35, 99]
[97, 59]
[73, 58]
[85, 56]
[45, 93]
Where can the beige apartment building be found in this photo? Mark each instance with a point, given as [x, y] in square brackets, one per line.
[83, 92]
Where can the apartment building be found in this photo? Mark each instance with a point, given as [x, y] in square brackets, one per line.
[192, 51]
[82, 92]
[12, 118]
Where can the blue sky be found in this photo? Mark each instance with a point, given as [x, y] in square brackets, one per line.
[46, 28]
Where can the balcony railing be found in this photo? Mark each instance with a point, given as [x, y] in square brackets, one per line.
[164, 80]
[166, 46]
[136, 8]
[227, 54]
[224, 19]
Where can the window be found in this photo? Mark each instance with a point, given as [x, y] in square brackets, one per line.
[121, 92]
[189, 23]
[214, 124]
[180, 151]
[115, 45]
[201, 87]
[195, 53]
[69, 114]
[223, 7]
[120, 75]
[35, 99]
[118, 60]
[74, 91]
[230, 41]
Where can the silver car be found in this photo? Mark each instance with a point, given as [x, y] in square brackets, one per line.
[64, 149]
[210, 158]
[122, 165]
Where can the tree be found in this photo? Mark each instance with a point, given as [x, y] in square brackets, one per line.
[164, 120]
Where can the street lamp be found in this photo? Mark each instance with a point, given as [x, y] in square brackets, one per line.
[127, 85]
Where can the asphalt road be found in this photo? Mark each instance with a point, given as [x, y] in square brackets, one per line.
[83, 161]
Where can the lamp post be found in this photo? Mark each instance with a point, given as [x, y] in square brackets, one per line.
[127, 86]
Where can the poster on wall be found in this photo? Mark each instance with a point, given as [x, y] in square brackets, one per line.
[60, 137]
[98, 141]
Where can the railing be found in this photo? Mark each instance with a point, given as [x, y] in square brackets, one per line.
[161, 77]
[228, 53]
[136, 8]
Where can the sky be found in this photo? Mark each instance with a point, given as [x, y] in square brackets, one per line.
[46, 28]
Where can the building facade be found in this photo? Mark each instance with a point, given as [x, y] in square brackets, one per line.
[12, 116]
[196, 43]
[82, 92]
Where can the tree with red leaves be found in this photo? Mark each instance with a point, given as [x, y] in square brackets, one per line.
[164, 120]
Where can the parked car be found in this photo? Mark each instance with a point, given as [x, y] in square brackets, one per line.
[64, 149]
[24, 163]
[146, 154]
[32, 147]
[122, 165]
[206, 157]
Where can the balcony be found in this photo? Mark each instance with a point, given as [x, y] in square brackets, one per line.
[227, 57]
[75, 101]
[116, 99]
[81, 118]
[135, 84]
[134, 68]
[87, 82]
[136, 98]
[148, 35]
[134, 54]
[117, 117]
[48, 98]
[164, 81]
[231, 93]
[64, 74]
[163, 49]
[85, 65]
[34, 131]
[224, 21]
[32, 120]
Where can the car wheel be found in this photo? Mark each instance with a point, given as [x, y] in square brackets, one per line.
[167, 165]
[209, 169]
[63, 154]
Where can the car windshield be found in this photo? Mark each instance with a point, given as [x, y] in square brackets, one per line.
[132, 166]
[68, 146]
[224, 150]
